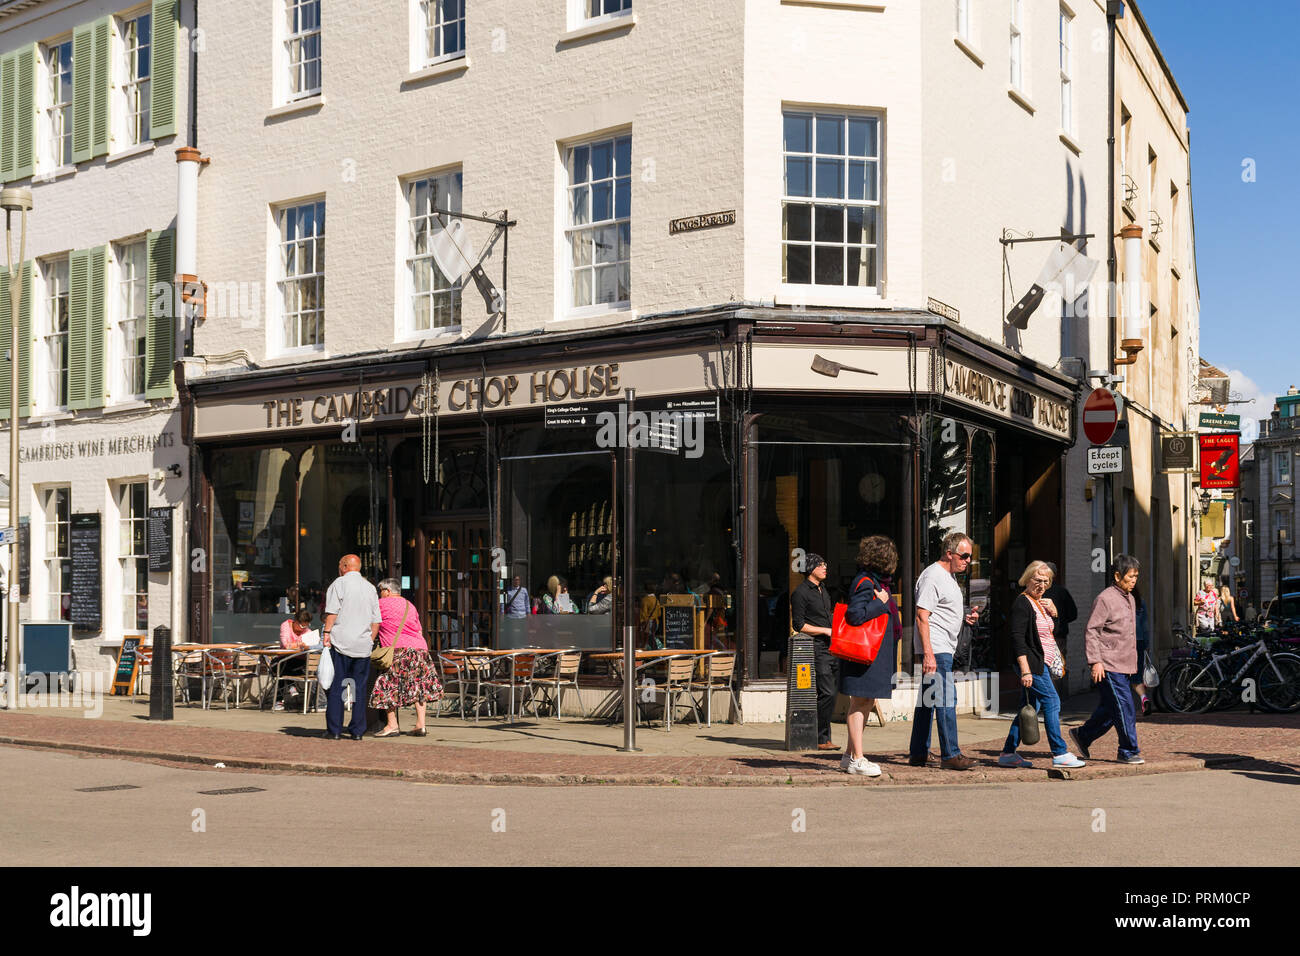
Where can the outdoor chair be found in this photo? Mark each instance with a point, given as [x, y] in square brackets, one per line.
[476, 673]
[639, 677]
[719, 674]
[307, 678]
[681, 671]
[453, 683]
[553, 686]
[192, 668]
[144, 654]
[515, 671]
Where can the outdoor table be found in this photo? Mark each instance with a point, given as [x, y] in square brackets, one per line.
[273, 660]
[510, 654]
[650, 657]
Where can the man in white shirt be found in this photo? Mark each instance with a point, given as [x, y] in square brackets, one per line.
[939, 617]
[351, 625]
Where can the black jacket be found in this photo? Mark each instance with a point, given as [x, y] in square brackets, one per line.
[1024, 635]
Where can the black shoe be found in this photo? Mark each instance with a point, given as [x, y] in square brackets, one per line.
[356, 736]
[1074, 735]
[334, 736]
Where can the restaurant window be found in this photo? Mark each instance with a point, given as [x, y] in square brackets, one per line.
[253, 542]
[57, 504]
[343, 502]
[826, 479]
[133, 554]
[557, 521]
[831, 210]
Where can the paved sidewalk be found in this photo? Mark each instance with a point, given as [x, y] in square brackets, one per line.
[548, 751]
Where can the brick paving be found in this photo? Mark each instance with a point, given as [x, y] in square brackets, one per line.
[1170, 743]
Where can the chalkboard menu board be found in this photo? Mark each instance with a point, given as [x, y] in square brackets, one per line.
[160, 539]
[24, 556]
[128, 662]
[679, 627]
[87, 585]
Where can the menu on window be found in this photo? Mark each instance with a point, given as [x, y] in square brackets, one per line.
[160, 539]
[87, 583]
[679, 627]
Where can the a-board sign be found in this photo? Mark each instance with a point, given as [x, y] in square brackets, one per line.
[128, 665]
[87, 585]
[679, 627]
[160, 539]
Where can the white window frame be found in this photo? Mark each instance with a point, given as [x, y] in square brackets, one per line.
[580, 13]
[1016, 52]
[287, 77]
[56, 584]
[55, 118]
[1065, 61]
[962, 25]
[128, 558]
[841, 293]
[452, 176]
[1282, 467]
[127, 131]
[279, 344]
[56, 274]
[423, 27]
[130, 293]
[571, 230]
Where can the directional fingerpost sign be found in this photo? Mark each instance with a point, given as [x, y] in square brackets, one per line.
[1100, 416]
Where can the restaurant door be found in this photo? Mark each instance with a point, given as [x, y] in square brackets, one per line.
[457, 593]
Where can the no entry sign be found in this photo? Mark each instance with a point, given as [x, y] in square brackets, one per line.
[1100, 416]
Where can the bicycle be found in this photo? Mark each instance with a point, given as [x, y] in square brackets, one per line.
[1194, 685]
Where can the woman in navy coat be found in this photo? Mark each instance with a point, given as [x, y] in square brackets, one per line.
[869, 598]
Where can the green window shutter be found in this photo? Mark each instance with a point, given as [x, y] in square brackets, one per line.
[100, 86]
[8, 104]
[24, 342]
[96, 330]
[25, 113]
[165, 23]
[160, 347]
[78, 323]
[82, 69]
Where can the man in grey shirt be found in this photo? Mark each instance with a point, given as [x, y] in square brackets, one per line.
[938, 624]
[351, 625]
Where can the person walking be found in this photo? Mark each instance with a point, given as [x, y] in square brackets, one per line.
[1206, 603]
[810, 613]
[1142, 627]
[1034, 649]
[1111, 644]
[1227, 603]
[351, 624]
[1067, 612]
[938, 624]
[869, 598]
[411, 680]
[517, 603]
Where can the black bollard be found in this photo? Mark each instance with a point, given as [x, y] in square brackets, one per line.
[160, 675]
[801, 695]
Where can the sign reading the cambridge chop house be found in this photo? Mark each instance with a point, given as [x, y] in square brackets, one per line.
[1005, 399]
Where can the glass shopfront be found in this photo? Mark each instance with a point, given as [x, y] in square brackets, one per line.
[826, 479]
[281, 519]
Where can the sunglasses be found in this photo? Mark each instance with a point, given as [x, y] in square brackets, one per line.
[964, 555]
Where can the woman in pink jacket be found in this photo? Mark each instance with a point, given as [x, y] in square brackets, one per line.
[411, 681]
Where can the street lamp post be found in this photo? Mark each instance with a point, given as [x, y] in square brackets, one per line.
[14, 199]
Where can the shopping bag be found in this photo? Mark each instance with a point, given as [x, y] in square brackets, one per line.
[325, 670]
[1150, 676]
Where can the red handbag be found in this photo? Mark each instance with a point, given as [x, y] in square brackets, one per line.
[860, 642]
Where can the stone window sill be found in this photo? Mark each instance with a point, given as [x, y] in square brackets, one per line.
[444, 68]
[969, 50]
[137, 150]
[1021, 100]
[1070, 143]
[622, 22]
[297, 106]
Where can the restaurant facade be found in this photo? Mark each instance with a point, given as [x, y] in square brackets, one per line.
[756, 436]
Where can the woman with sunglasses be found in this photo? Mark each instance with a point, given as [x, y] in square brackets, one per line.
[1034, 650]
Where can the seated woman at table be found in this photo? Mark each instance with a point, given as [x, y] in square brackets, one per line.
[411, 681]
[602, 599]
[292, 631]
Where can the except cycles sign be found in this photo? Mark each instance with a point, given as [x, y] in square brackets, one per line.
[1220, 461]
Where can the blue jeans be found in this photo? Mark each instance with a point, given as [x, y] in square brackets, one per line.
[1046, 702]
[1115, 709]
[358, 670]
[937, 701]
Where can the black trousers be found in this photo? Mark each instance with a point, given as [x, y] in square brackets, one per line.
[828, 685]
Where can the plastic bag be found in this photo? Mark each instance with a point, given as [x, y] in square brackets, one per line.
[1150, 676]
[325, 670]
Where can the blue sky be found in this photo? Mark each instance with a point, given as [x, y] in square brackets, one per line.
[1239, 71]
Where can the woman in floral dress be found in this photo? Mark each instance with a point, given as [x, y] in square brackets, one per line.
[411, 681]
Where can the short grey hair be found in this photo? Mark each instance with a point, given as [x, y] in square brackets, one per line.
[391, 585]
[953, 541]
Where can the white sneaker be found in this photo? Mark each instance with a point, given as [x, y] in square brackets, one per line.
[279, 705]
[863, 767]
[1067, 760]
